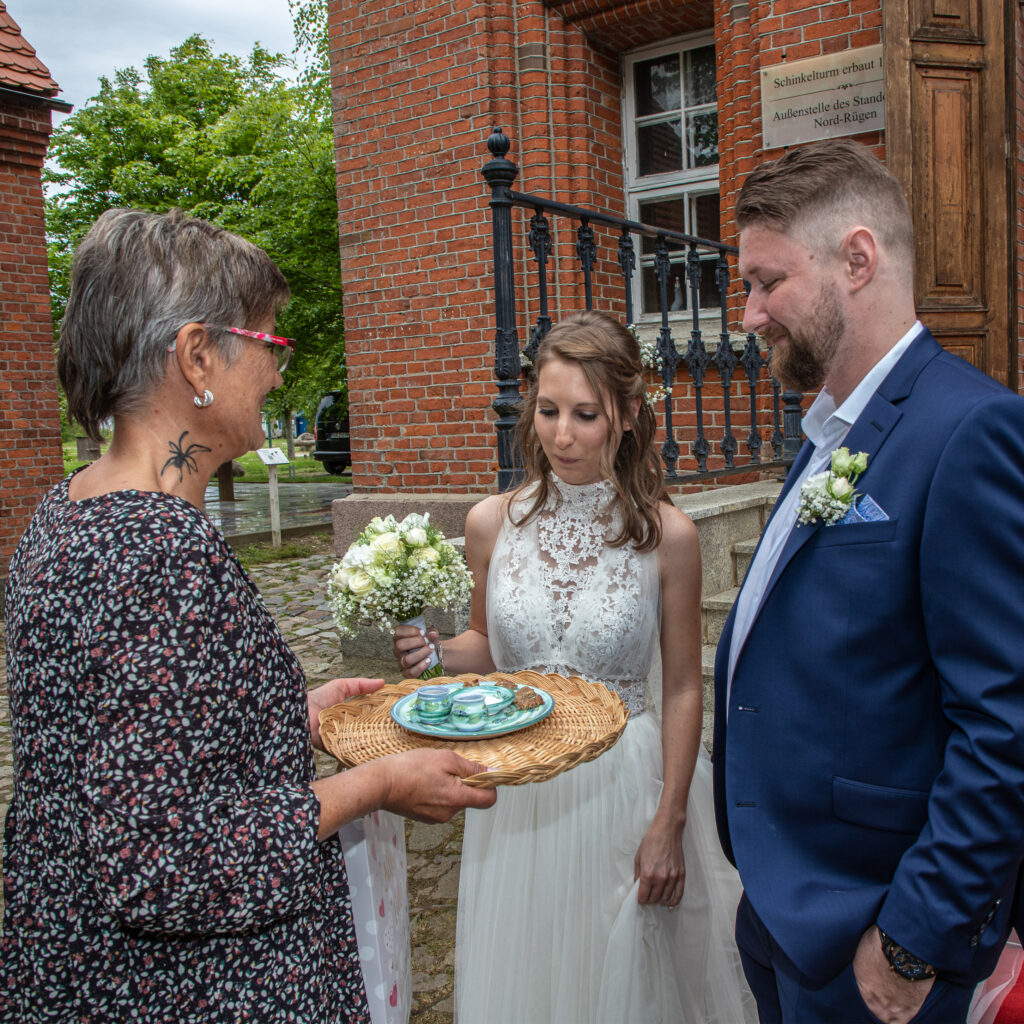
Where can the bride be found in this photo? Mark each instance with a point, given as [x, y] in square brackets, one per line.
[602, 894]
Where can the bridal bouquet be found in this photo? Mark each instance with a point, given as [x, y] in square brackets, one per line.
[394, 570]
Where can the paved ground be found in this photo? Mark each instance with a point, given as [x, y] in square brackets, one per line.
[293, 591]
[301, 505]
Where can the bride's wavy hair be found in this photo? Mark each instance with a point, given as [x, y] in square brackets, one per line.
[609, 357]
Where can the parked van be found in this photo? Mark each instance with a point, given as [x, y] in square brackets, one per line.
[330, 428]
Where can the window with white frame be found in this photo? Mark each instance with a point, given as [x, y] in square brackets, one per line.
[670, 123]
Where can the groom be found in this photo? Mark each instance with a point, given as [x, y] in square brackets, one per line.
[869, 685]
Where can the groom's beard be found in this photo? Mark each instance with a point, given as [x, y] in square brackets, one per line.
[802, 362]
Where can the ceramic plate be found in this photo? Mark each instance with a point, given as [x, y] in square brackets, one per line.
[507, 719]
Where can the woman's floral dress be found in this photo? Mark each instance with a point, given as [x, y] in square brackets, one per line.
[160, 853]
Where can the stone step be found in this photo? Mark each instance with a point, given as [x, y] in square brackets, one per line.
[708, 667]
[714, 611]
[742, 553]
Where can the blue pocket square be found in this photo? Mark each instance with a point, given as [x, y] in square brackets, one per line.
[864, 510]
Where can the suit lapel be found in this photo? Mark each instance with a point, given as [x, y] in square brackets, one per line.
[867, 434]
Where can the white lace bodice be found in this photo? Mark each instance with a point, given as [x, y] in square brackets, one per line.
[559, 599]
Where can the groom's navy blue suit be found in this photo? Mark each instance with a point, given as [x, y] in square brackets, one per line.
[872, 766]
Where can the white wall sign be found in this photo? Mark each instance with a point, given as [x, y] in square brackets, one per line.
[272, 456]
[823, 97]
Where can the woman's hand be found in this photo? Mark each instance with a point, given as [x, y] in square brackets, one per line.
[412, 650]
[659, 865]
[334, 692]
[426, 784]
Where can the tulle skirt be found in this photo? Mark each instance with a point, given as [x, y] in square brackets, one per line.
[549, 930]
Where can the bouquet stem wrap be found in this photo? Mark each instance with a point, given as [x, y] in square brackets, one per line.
[434, 668]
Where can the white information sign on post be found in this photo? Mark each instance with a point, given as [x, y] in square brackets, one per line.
[823, 97]
[272, 458]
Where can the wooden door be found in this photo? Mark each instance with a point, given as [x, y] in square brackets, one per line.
[948, 142]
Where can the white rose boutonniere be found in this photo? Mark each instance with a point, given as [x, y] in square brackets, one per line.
[830, 495]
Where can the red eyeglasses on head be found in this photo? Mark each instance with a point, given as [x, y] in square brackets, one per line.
[283, 347]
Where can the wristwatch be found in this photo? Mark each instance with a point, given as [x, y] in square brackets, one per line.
[906, 965]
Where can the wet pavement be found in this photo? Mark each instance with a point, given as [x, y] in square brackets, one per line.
[303, 506]
[294, 593]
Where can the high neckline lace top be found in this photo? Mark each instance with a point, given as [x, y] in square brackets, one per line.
[560, 599]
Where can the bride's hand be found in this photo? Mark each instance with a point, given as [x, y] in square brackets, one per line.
[411, 655]
[659, 866]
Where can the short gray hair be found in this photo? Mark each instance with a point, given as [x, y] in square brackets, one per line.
[136, 280]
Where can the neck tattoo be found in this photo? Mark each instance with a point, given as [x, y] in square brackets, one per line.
[182, 458]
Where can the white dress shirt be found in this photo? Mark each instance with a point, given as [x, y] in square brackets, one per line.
[825, 427]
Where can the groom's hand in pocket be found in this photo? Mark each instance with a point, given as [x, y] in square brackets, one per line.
[889, 997]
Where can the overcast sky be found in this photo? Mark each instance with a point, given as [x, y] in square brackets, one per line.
[79, 40]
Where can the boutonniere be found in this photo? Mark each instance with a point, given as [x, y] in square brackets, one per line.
[830, 495]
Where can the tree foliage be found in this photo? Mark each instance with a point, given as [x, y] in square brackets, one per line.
[230, 140]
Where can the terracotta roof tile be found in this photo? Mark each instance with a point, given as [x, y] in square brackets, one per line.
[20, 68]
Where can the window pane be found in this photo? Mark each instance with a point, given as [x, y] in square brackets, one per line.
[666, 213]
[679, 289]
[660, 147]
[705, 217]
[710, 297]
[700, 76]
[677, 294]
[702, 140]
[657, 84]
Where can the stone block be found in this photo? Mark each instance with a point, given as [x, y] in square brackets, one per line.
[447, 512]
[716, 610]
[725, 517]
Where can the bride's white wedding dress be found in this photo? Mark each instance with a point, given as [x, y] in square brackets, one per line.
[549, 929]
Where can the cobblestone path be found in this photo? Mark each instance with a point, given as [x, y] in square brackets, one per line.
[293, 591]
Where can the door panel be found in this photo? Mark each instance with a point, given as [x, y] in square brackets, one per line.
[947, 141]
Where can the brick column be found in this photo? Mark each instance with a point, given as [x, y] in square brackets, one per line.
[30, 443]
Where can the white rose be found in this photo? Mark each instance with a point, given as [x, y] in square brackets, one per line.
[360, 583]
[414, 519]
[423, 555]
[357, 556]
[387, 544]
[417, 537]
[376, 526]
[841, 488]
[342, 575]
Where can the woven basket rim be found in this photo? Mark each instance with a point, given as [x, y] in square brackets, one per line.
[587, 720]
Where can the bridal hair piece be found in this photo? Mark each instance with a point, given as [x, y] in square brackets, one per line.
[206, 401]
[610, 359]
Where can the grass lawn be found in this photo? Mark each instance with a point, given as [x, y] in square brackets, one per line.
[321, 543]
[304, 470]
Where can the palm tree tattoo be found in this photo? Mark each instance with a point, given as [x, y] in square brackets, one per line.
[182, 459]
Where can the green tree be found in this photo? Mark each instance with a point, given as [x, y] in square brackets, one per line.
[230, 140]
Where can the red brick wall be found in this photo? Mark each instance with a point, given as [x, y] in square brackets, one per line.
[775, 31]
[417, 88]
[30, 449]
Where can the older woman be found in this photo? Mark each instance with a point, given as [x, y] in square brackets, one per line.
[169, 853]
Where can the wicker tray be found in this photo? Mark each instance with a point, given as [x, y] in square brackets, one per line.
[587, 720]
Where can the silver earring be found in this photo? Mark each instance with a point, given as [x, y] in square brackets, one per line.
[206, 401]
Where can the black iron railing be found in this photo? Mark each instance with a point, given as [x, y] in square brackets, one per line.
[783, 408]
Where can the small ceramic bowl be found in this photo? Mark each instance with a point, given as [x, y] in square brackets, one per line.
[496, 698]
[468, 712]
[433, 702]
